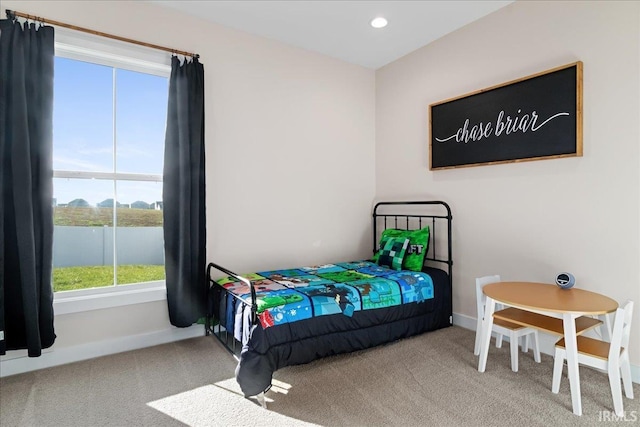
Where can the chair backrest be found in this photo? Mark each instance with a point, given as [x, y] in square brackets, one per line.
[480, 297]
[621, 329]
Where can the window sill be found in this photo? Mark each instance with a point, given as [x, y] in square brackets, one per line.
[98, 299]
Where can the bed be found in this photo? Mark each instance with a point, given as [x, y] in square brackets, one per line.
[272, 319]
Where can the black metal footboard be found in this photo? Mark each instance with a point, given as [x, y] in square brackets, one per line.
[215, 323]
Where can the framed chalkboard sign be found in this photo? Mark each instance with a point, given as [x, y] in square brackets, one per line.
[532, 118]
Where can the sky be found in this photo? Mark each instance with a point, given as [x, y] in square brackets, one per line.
[83, 130]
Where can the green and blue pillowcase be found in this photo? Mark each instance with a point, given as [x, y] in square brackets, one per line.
[416, 250]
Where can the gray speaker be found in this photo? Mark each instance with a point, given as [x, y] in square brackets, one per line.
[565, 280]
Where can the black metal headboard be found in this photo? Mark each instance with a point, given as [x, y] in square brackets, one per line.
[415, 215]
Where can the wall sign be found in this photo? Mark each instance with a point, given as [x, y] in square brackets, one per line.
[532, 118]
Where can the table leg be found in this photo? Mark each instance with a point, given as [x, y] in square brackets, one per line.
[571, 346]
[487, 324]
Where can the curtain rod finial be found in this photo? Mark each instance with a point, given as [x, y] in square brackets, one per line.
[10, 14]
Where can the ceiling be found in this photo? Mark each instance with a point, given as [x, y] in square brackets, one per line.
[341, 29]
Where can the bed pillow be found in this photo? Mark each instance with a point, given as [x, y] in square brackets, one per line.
[417, 249]
[392, 254]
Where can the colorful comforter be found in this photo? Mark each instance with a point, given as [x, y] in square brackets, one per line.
[285, 296]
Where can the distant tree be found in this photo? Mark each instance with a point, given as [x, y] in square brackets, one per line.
[108, 203]
[78, 203]
[139, 205]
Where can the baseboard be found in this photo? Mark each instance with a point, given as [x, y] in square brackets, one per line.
[547, 342]
[62, 356]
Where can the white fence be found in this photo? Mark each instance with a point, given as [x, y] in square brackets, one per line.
[77, 246]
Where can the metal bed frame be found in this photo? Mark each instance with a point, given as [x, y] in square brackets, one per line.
[212, 324]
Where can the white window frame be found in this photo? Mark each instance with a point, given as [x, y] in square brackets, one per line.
[113, 53]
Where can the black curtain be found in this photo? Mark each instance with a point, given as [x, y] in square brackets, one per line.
[26, 213]
[184, 194]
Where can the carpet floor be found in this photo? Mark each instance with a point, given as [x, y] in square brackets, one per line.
[431, 379]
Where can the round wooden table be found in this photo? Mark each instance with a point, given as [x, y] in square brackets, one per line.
[550, 298]
[542, 297]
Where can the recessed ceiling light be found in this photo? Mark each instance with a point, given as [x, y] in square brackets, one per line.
[378, 22]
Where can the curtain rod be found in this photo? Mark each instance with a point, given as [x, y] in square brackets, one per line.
[12, 14]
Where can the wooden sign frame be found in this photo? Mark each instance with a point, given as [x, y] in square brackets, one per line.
[532, 118]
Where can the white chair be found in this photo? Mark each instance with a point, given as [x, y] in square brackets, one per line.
[611, 357]
[503, 327]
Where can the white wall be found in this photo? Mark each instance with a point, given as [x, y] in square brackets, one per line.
[290, 146]
[281, 120]
[528, 221]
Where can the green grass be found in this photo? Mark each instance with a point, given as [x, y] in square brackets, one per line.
[98, 217]
[85, 277]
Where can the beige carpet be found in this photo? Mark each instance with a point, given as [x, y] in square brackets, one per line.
[431, 379]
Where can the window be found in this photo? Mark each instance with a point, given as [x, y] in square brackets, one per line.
[110, 108]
